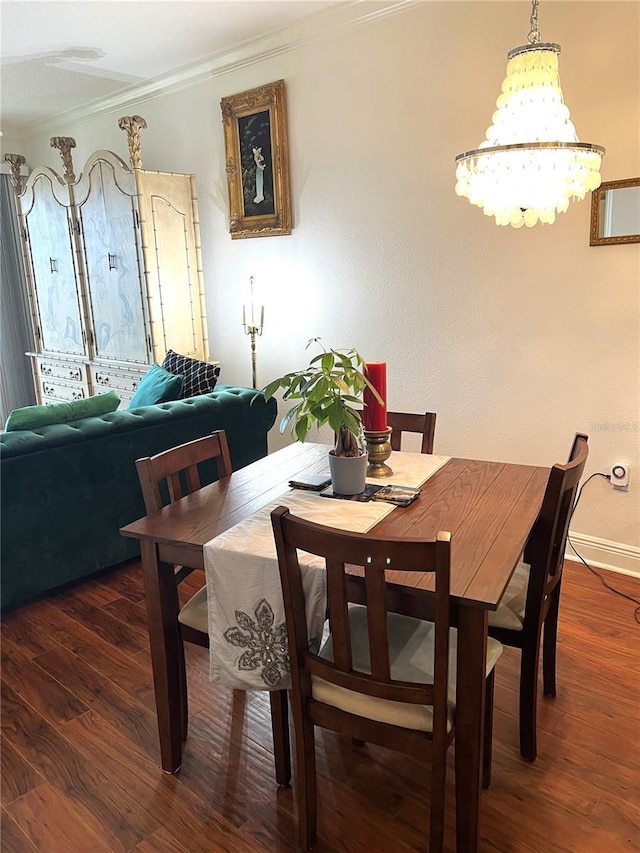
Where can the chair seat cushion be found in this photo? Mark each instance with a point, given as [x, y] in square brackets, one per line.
[411, 652]
[194, 613]
[510, 612]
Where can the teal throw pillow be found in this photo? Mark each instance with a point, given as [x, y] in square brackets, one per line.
[34, 417]
[156, 386]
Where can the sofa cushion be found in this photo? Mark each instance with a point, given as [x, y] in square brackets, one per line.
[34, 417]
[156, 386]
[200, 377]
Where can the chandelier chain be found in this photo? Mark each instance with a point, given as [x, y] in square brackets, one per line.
[534, 32]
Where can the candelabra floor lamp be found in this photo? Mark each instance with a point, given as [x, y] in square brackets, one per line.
[253, 328]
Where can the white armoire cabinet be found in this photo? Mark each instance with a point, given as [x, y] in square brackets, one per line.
[113, 269]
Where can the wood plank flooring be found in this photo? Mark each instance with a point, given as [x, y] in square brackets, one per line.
[80, 758]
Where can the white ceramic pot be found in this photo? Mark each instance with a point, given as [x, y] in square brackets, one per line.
[348, 473]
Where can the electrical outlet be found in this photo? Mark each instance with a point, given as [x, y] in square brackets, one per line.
[620, 476]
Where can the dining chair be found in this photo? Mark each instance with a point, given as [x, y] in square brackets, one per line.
[165, 478]
[528, 610]
[379, 677]
[405, 422]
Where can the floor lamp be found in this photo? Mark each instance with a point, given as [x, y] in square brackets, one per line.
[252, 328]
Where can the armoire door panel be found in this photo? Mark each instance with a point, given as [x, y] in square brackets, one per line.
[50, 248]
[171, 263]
[112, 268]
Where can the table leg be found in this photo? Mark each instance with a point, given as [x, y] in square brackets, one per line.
[166, 650]
[470, 698]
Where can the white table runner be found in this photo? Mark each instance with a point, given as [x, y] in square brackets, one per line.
[411, 469]
[247, 630]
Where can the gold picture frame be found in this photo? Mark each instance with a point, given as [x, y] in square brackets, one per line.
[257, 161]
[614, 213]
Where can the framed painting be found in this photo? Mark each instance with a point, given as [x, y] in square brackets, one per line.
[257, 161]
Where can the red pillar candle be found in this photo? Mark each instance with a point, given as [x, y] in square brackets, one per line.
[374, 415]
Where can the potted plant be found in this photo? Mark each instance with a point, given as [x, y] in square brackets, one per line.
[325, 392]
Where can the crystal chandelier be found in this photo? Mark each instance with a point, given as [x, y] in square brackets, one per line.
[531, 163]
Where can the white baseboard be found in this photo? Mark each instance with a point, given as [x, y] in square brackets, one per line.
[603, 554]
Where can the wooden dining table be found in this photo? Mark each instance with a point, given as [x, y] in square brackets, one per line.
[488, 507]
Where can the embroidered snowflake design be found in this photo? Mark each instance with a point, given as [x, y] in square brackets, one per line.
[266, 644]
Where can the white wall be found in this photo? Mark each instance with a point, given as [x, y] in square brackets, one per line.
[517, 338]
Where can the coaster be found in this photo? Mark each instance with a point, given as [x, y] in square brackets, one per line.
[369, 491]
[315, 482]
[398, 495]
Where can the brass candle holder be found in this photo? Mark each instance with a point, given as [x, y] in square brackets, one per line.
[379, 449]
[253, 329]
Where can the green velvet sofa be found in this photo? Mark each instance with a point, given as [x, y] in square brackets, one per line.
[66, 489]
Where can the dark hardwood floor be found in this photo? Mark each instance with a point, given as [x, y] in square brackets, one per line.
[80, 759]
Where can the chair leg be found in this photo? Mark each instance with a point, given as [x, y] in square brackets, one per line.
[280, 733]
[306, 799]
[487, 748]
[184, 695]
[549, 643]
[528, 699]
[437, 802]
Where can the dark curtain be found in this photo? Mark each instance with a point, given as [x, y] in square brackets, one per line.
[16, 336]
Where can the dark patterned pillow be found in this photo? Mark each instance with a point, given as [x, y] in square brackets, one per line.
[200, 377]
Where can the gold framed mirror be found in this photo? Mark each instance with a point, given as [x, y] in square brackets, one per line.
[615, 213]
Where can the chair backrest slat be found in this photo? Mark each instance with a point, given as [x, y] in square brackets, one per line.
[408, 422]
[194, 482]
[377, 620]
[338, 605]
[175, 486]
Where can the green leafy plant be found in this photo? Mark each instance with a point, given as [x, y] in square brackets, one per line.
[326, 391]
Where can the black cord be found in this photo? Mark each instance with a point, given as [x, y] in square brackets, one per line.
[636, 612]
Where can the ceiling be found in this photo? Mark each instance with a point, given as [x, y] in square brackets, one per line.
[58, 55]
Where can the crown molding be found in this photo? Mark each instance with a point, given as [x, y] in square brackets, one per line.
[247, 53]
